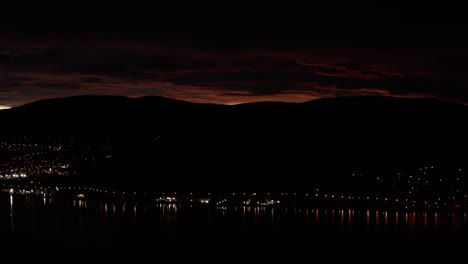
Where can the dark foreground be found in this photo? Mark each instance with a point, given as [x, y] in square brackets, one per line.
[114, 230]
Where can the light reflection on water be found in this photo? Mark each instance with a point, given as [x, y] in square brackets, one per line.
[29, 213]
[12, 220]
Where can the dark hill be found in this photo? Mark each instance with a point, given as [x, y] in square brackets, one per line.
[256, 141]
[110, 114]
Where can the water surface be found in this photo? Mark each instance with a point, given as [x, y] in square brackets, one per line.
[49, 223]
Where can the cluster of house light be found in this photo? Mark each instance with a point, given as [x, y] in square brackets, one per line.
[33, 159]
[46, 159]
[13, 176]
[404, 184]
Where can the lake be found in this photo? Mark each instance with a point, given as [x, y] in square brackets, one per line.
[33, 222]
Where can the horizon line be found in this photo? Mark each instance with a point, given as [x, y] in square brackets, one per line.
[6, 107]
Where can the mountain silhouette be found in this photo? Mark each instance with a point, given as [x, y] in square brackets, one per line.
[154, 114]
[252, 142]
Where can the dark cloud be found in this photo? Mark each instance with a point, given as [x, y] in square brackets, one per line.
[91, 80]
[232, 52]
[213, 77]
[453, 63]
[57, 85]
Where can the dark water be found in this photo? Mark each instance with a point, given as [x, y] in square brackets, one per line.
[51, 224]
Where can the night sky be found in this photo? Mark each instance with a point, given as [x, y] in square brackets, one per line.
[228, 52]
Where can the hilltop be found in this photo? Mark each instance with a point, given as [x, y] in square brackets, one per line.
[255, 144]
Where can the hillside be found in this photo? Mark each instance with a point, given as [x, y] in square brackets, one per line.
[260, 143]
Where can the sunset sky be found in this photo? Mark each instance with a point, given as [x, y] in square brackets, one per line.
[230, 52]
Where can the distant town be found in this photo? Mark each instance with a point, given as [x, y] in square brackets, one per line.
[315, 198]
[27, 162]
[37, 156]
